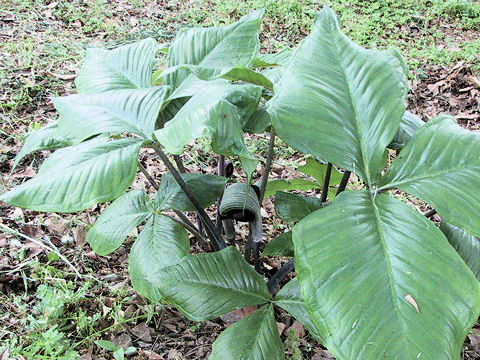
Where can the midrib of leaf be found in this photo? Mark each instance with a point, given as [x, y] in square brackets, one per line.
[118, 117]
[121, 74]
[335, 40]
[256, 344]
[215, 285]
[382, 237]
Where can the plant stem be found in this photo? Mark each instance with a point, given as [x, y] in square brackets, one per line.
[430, 213]
[148, 176]
[190, 227]
[185, 219]
[344, 181]
[39, 243]
[216, 238]
[268, 165]
[326, 183]
[179, 163]
[220, 172]
[280, 275]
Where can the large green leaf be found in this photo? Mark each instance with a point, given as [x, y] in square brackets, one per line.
[205, 286]
[46, 138]
[279, 58]
[441, 165]
[207, 188]
[161, 243]
[287, 185]
[219, 48]
[118, 220]
[119, 111]
[74, 178]
[236, 73]
[258, 122]
[218, 113]
[290, 300]
[380, 281]
[282, 245]
[407, 128]
[126, 67]
[338, 101]
[255, 337]
[468, 246]
[318, 171]
[291, 207]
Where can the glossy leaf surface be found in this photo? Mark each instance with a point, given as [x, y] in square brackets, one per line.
[46, 138]
[126, 67]
[408, 127]
[118, 111]
[289, 299]
[282, 245]
[207, 188]
[287, 185]
[254, 337]
[441, 166]
[74, 178]
[468, 246]
[219, 48]
[217, 113]
[118, 220]
[339, 101]
[203, 286]
[380, 281]
[161, 243]
[292, 208]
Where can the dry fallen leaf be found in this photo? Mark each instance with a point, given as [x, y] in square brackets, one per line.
[412, 302]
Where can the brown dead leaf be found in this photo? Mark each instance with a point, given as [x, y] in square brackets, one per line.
[298, 328]
[412, 302]
[238, 314]
[280, 328]
[124, 341]
[80, 235]
[142, 332]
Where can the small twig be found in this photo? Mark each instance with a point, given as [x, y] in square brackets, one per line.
[430, 213]
[344, 181]
[216, 238]
[268, 165]
[326, 183]
[280, 275]
[148, 176]
[51, 249]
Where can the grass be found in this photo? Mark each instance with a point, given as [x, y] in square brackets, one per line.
[43, 47]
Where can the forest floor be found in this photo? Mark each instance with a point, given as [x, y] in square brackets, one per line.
[48, 313]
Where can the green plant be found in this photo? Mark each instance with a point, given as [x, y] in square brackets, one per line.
[375, 279]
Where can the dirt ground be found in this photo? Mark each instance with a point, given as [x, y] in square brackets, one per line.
[42, 302]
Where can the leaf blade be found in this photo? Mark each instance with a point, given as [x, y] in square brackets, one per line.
[348, 102]
[441, 166]
[381, 255]
[254, 337]
[202, 286]
[74, 178]
[118, 220]
[126, 67]
[161, 243]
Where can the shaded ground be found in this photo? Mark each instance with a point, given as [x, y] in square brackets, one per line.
[42, 304]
